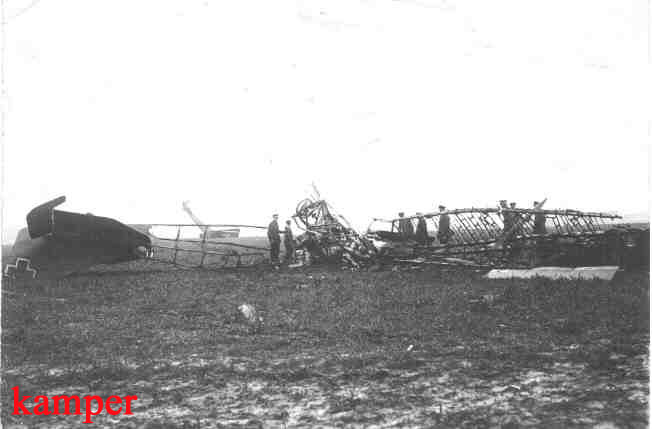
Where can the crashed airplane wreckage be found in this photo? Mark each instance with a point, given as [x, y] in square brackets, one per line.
[511, 238]
[57, 243]
[328, 236]
[178, 244]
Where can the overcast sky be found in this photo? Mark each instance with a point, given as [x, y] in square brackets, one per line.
[130, 107]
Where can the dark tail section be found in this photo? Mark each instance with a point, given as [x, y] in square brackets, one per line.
[57, 242]
[40, 221]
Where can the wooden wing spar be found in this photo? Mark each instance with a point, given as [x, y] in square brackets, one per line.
[513, 237]
[179, 244]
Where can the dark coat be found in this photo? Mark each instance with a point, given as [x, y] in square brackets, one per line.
[539, 223]
[444, 224]
[508, 220]
[422, 231]
[405, 228]
[288, 238]
[273, 234]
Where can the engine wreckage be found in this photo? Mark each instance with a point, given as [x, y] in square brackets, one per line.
[329, 237]
[56, 243]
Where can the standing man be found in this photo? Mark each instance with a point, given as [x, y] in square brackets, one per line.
[516, 218]
[274, 237]
[444, 230]
[507, 216]
[405, 227]
[421, 235]
[288, 241]
[539, 219]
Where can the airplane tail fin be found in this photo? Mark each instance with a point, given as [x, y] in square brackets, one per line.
[40, 220]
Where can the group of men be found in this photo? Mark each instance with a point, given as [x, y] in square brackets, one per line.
[274, 237]
[420, 235]
[512, 221]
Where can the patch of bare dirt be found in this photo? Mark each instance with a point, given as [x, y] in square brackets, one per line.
[335, 348]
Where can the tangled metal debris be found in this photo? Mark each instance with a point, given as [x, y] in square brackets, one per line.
[328, 236]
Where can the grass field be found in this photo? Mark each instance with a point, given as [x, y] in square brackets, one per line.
[407, 348]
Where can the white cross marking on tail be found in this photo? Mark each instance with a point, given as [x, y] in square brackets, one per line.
[21, 265]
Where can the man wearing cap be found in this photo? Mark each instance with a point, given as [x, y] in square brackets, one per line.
[421, 234]
[444, 230]
[274, 237]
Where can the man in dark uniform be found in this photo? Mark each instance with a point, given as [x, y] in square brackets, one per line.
[507, 216]
[274, 237]
[539, 220]
[288, 241]
[421, 235]
[444, 230]
[405, 227]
